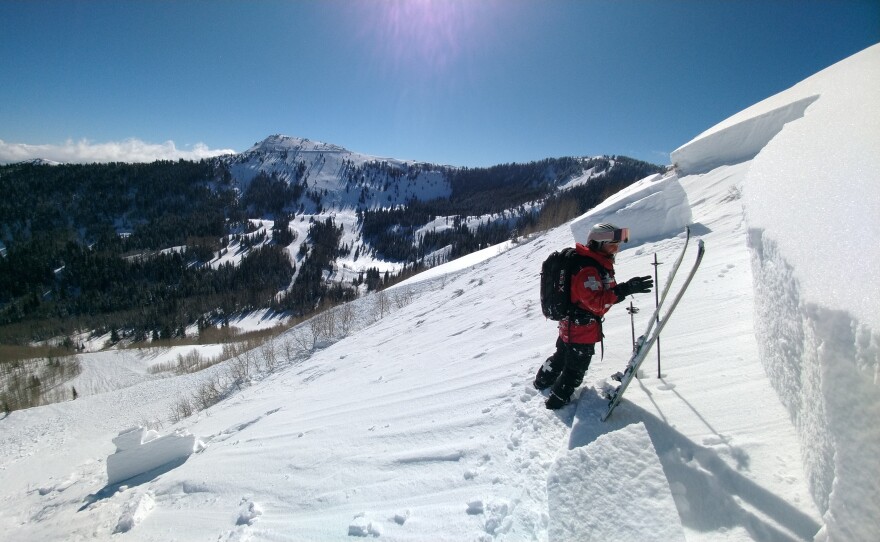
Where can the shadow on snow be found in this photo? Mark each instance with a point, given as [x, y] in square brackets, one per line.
[709, 494]
[110, 489]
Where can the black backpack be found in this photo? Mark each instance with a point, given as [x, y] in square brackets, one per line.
[556, 274]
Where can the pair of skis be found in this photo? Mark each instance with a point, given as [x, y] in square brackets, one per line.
[646, 341]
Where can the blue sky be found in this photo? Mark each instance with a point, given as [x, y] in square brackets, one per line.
[458, 82]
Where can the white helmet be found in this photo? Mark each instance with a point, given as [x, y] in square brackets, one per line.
[606, 233]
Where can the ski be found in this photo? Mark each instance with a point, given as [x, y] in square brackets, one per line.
[669, 279]
[646, 341]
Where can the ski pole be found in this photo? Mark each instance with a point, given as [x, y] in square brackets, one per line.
[632, 310]
[656, 265]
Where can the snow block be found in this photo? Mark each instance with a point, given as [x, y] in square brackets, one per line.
[612, 489]
[139, 450]
[728, 144]
[653, 208]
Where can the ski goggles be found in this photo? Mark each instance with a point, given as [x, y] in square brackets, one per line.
[613, 236]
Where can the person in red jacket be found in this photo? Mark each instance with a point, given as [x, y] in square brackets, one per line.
[593, 291]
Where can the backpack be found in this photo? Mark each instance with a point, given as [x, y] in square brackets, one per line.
[556, 274]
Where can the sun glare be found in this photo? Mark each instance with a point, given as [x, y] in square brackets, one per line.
[426, 34]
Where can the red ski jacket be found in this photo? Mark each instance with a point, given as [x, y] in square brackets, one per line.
[591, 290]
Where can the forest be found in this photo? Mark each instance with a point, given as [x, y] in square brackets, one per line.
[504, 193]
[126, 248]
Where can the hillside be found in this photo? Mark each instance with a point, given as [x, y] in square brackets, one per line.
[418, 421]
[163, 250]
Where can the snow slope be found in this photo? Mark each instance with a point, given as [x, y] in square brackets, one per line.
[421, 423]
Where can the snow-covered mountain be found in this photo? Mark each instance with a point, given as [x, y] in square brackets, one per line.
[334, 171]
[339, 183]
[409, 415]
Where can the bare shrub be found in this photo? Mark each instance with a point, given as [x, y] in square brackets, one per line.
[323, 326]
[289, 350]
[303, 340]
[241, 368]
[346, 318]
[381, 303]
[210, 393]
[403, 297]
[164, 367]
[182, 409]
[189, 362]
[270, 355]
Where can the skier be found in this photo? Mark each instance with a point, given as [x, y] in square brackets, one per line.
[593, 292]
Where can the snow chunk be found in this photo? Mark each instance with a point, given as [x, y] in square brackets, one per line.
[476, 507]
[727, 145]
[248, 512]
[363, 527]
[400, 518]
[139, 450]
[654, 208]
[134, 512]
[592, 490]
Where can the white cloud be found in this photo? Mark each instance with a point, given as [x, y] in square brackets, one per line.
[85, 151]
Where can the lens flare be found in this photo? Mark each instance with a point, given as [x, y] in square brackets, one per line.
[427, 36]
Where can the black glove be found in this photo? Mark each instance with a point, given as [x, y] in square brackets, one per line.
[635, 285]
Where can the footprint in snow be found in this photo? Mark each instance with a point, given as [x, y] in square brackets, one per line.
[248, 512]
[135, 511]
[725, 270]
[362, 526]
[497, 515]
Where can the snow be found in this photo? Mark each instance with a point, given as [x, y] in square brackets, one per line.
[624, 466]
[812, 205]
[109, 370]
[458, 264]
[134, 512]
[327, 167]
[139, 451]
[737, 142]
[654, 208]
[420, 423]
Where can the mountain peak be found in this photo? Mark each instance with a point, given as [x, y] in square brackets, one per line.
[281, 143]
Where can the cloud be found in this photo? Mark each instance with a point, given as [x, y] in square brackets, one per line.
[85, 151]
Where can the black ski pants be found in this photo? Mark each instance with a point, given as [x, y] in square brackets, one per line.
[565, 369]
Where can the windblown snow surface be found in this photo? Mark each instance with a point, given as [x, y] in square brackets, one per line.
[419, 423]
